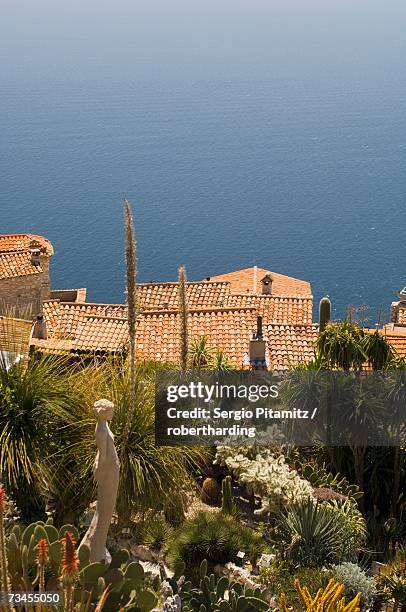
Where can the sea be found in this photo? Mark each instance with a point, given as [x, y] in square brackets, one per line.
[305, 177]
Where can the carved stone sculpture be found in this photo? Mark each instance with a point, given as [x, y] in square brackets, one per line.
[106, 471]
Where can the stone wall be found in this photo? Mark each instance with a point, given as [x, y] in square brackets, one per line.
[25, 294]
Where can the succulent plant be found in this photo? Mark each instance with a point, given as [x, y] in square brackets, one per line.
[41, 546]
[324, 312]
[227, 502]
[221, 595]
[210, 491]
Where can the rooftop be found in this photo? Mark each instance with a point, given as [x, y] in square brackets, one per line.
[15, 254]
[248, 280]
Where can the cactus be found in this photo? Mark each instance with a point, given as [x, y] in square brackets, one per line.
[324, 312]
[329, 600]
[210, 491]
[227, 502]
[210, 595]
[120, 585]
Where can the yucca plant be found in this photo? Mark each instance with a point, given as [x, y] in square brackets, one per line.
[36, 400]
[200, 354]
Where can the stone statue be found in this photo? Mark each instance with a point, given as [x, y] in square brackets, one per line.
[106, 471]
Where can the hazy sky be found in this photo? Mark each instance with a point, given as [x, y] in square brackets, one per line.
[95, 39]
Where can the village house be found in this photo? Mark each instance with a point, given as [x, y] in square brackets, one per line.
[24, 273]
[258, 318]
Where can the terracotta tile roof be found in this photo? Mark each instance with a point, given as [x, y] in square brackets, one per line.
[15, 257]
[23, 242]
[15, 335]
[157, 296]
[249, 280]
[84, 327]
[275, 309]
[17, 264]
[396, 336]
[226, 329]
[290, 345]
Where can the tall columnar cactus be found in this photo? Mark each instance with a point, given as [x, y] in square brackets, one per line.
[324, 312]
[227, 503]
[183, 318]
[4, 577]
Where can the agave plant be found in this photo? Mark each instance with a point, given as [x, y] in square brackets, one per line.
[312, 534]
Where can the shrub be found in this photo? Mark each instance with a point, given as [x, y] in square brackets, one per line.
[356, 581]
[215, 537]
[278, 578]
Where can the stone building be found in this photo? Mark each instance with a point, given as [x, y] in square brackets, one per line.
[24, 273]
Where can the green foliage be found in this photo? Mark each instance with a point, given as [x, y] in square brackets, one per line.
[200, 354]
[391, 582]
[352, 524]
[319, 477]
[356, 581]
[279, 578]
[128, 584]
[36, 399]
[155, 532]
[315, 534]
[215, 537]
[210, 595]
[148, 474]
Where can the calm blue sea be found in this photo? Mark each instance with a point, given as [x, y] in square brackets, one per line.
[305, 177]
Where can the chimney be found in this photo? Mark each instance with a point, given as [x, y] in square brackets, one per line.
[40, 328]
[35, 257]
[258, 348]
[266, 285]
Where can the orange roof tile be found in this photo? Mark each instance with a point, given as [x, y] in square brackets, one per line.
[15, 257]
[23, 242]
[84, 327]
[165, 296]
[225, 329]
[249, 280]
[290, 345]
[275, 309]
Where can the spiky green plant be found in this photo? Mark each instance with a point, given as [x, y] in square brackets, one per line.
[220, 361]
[183, 318]
[312, 534]
[200, 354]
[215, 537]
[36, 400]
